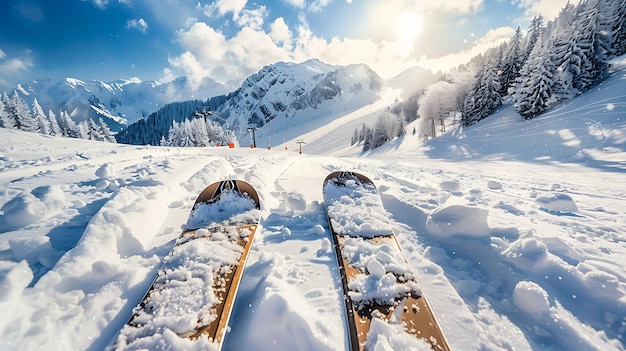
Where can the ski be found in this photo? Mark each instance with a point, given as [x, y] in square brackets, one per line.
[380, 290]
[190, 301]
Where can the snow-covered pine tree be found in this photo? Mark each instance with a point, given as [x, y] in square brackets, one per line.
[604, 23]
[618, 28]
[19, 110]
[43, 123]
[534, 88]
[410, 107]
[535, 30]
[512, 62]
[355, 137]
[484, 97]
[106, 132]
[83, 130]
[95, 132]
[68, 126]
[591, 62]
[5, 121]
[54, 125]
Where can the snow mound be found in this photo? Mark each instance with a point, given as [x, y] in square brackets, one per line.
[458, 220]
[106, 171]
[28, 208]
[531, 298]
[14, 278]
[557, 203]
[452, 186]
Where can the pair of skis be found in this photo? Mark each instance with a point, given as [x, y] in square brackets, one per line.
[194, 292]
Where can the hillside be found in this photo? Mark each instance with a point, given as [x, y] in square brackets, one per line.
[512, 227]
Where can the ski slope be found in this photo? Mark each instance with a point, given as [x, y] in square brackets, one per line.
[514, 229]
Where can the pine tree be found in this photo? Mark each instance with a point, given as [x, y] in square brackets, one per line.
[83, 130]
[618, 28]
[9, 114]
[512, 62]
[106, 132]
[5, 121]
[484, 97]
[43, 124]
[401, 127]
[355, 137]
[54, 125]
[68, 126]
[410, 107]
[21, 114]
[534, 88]
[95, 132]
[534, 32]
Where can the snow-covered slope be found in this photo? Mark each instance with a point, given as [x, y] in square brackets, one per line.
[517, 244]
[119, 103]
[283, 98]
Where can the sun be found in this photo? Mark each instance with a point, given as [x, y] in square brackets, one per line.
[408, 27]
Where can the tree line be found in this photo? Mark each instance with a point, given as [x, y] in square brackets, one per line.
[197, 132]
[16, 114]
[551, 63]
[389, 125]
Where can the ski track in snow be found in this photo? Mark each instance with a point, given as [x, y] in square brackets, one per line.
[513, 248]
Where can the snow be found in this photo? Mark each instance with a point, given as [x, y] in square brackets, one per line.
[181, 300]
[354, 210]
[513, 229]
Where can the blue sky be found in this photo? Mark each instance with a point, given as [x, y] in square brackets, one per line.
[227, 40]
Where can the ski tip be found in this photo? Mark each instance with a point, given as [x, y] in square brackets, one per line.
[344, 175]
[212, 192]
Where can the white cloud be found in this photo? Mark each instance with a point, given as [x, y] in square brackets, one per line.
[209, 53]
[549, 9]
[11, 67]
[139, 24]
[491, 39]
[15, 65]
[101, 4]
[251, 18]
[279, 31]
[458, 7]
[222, 7]
[318, 5]
[296, 3]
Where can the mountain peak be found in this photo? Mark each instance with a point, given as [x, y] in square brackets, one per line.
[74, 83]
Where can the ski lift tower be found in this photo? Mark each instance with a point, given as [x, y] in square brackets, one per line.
[300, 141]
[252, 129]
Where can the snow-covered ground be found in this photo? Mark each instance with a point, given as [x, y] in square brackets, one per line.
[514, 229]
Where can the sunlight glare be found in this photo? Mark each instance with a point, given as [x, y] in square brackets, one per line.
[408, 27]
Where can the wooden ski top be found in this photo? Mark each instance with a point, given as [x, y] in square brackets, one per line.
[359, 227]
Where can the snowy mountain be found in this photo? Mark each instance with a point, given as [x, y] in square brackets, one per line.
[282, 96]
[279, 100]
[119, 103]
[513, 228]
